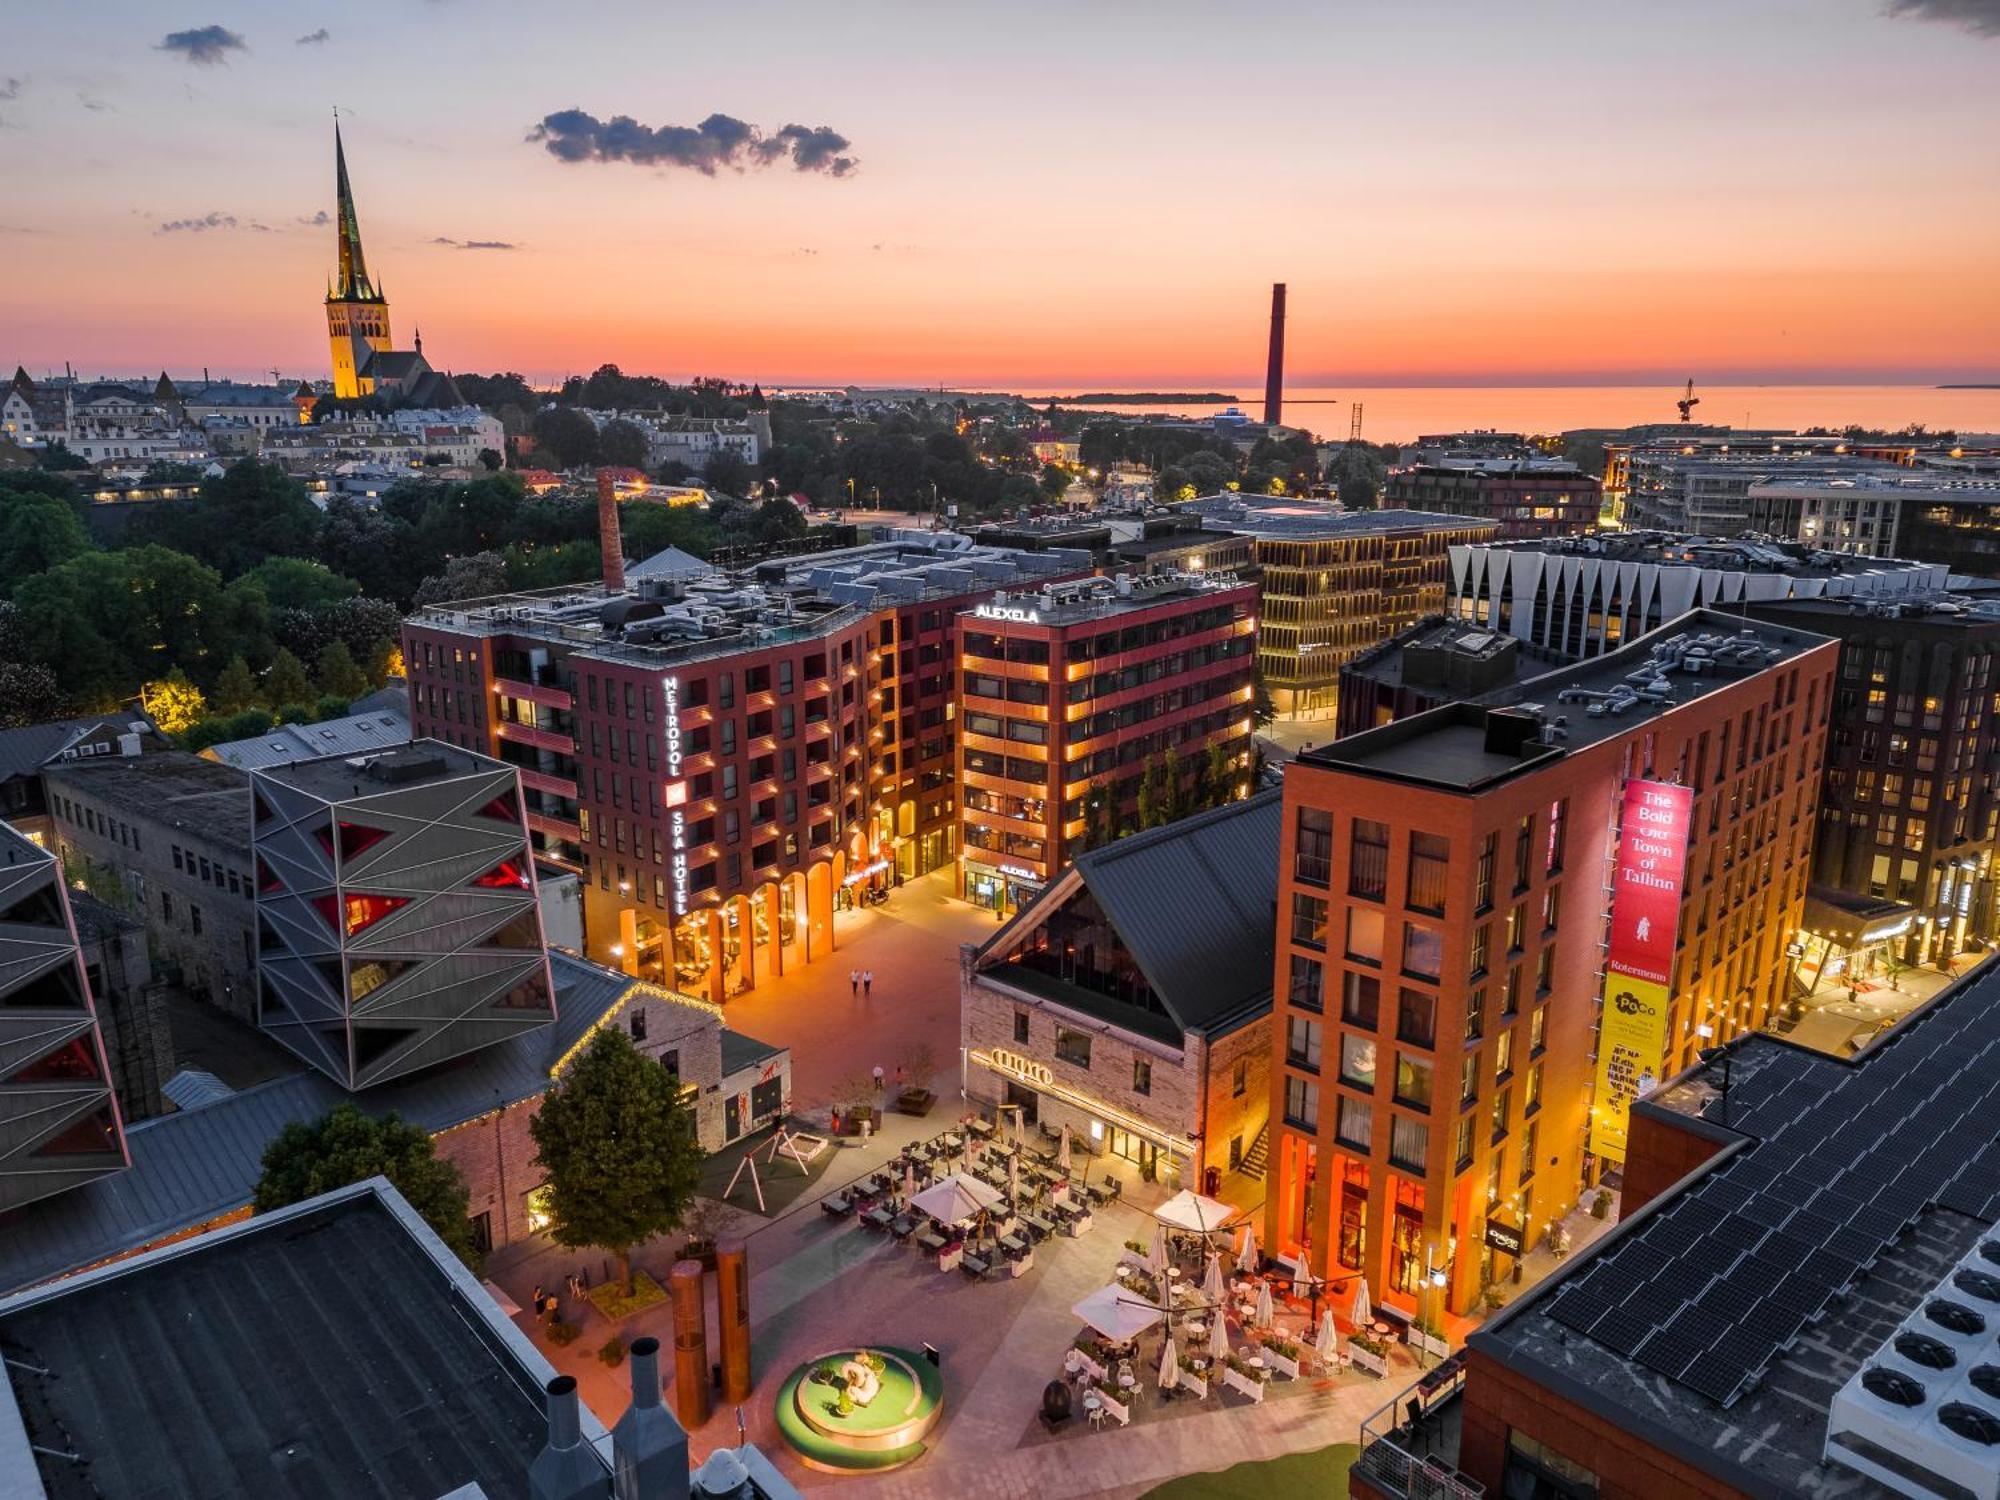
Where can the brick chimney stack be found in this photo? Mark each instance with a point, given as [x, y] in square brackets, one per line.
[610, 544]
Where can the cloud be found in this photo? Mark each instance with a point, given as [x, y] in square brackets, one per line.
[314, 38]
[474, 244]
[95, 106]
[206, 45]
[572, 135]
[1981, 17]
[201, 225]
[10, 88]
[316, 221]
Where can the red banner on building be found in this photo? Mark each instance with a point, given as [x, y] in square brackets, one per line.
[1638, 980]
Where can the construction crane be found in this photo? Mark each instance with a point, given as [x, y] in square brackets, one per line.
[1688, 403]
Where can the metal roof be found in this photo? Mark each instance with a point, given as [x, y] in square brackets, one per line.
[286, 743]
[1194, 903]
[202, 1163]
[740, 1052]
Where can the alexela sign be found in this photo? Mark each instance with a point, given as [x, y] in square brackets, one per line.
[1015, 614]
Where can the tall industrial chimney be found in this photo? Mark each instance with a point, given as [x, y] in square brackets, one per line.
[649, 1449]
[1274, 372]
[568, 1468]
[611, 546]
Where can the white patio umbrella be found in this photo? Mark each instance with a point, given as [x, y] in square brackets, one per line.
[954, 1199]
[1218, 1334]
[1188, 1209]
[1327, 1345]
[1264, 1316]
[1062, 1151]
[1363, 1312]
[1020, 1130]
[1211, 1281]
[1156, 1259]
[1116, 1313]
[1014, 1178]
[1170, 1365]
[1247, 1259]
[909, 1181]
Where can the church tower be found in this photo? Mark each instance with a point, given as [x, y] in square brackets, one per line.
[357, 313]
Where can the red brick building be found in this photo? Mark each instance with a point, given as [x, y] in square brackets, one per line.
[724, 759]
[1525, 497]
[1070, 695]
[1437, 1096]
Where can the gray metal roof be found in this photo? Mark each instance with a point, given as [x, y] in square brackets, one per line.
[26, 750]
[1194, 903]
[199, 1164]
[286, 743]
[740, 1052]
[669, 562]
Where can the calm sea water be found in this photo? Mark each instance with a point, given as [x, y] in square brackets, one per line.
[1395, 414]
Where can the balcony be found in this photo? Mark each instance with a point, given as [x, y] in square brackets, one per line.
[549, 695]
[555, 828]
[541, 739]
[1409, 1448]
[541, 781]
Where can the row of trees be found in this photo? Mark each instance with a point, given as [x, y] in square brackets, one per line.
[1169, 788]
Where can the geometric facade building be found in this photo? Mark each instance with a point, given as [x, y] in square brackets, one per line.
[59, 1125]
[396, 910]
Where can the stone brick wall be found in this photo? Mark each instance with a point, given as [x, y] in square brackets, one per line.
[1234, 1115]
[496, 1157]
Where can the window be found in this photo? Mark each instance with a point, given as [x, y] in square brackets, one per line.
[1538, 1030]
[1502, 1100]
[1503, 1054]
[1312, 854]
[1308, 983]
[1413, 1081]
[1551, 908]
[1475, 1015]
[1020, 1028]
[1357, 1060]
[1416, 1017]
[1302, 1043]
[1409, 1143]
[194, 916]
[1360, 1000]
[1072, 1047]
[1482, 882]
[1461, 1144]
[1531, 1090]
[1510, 996]
[639, 1023]
[1545, 971]
[1482, 938]
[1430, 859]
[1364, 934]
[1558, 826]
[1542, 1473]
[1528, 1149]
[1239, 1078]
[1524, 843]
[671, 1061]
[1142, 1075]
[1354, 1126]
[1468, 1078]
[1309, 920]
[536, 1201]
[1517, 925]
[1423, 951]
[1302, 1103]
[1368, 860]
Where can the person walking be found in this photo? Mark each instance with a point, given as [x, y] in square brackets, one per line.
[853, 982]
[878, 1078]
[899, 1080]
[867, 983]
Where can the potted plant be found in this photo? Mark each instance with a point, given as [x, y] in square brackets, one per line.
[1113, 1399]
[1283, 1356]
[1239, 1377]
[612, 1352]
[856, 1091]
[1369, 1353]
[1192, 1379]
[705, 1222]
[845, 1401]
[563, 1334]
[919, 1064]
[1494, 1298]
[1600, 1206]
[1427, 1334]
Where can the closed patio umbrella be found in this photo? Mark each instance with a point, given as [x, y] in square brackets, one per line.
[1327, 1345]
[909, 1181]
[1014, 1179]
[1247, 1259]
[1156, 1260]
[1218, 1335]
[1170, 1365]
[1211, 1281]
[1062, 1151]
[1264, 1315]
[1363, 1312]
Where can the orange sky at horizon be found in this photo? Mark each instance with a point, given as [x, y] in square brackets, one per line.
[1565, 199]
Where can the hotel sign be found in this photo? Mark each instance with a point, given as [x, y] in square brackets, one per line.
[1645, 920]
[1007, 612]
[676, 792]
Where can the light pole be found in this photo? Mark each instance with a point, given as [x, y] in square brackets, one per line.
[1434, 1280]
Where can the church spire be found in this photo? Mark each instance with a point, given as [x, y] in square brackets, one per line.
[353, 279]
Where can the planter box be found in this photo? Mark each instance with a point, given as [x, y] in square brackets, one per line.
[1248, 1385]
[1374, 1364]
[1022, 1266]
[1117, 1408]
[948, 1259]
[915, 1101]
[1091, 1367]
[1438, 1348]
[1193, 1384]
[1079, 1225]
[1289, 1368]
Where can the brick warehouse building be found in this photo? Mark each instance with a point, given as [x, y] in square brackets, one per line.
[1138, 667]
[725, 759]
[1443, 932]
[1523, 497]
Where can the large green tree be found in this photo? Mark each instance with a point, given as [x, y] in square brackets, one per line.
[338, 674]
[286, 683]
[622, 443]
[346, 1146]
[619, 1146]
[250, 512]
[568, 437]
[37, 531]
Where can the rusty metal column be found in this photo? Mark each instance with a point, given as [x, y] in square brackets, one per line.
[684, 1284]
[732, 1298]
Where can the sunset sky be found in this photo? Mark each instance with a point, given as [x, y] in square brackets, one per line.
[1089, 194]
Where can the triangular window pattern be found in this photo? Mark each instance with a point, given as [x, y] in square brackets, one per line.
[508, 875]
[355, 839]
[261, 808]
[55, 989]
[531, 993]
[524, 931]
[372, 1043]
[365, 978]
[74, 1063]
[96, 1133]
[362, 911]
[505, 808]
[268, 883]
[38, 908]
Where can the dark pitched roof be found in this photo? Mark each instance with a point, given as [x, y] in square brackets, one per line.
[395, 364]
[198, 1165]
[330, 1349]
[26, 750]
[740, 1051]
[1193, 902]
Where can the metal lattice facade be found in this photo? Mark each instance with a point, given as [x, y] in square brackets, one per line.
[59, 1125]
[397, 922]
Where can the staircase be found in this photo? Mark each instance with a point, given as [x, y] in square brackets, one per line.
[1257, 1157]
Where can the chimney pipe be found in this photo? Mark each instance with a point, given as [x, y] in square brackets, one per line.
[610, 545]
[567, 1469]
[1274, 371]
[649, 1449]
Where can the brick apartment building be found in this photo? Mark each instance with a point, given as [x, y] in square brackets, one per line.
[1130, 1001]
[1800, 1297]
[1523, 497]
[1443, 932]
[725, 759]
[1071, 694]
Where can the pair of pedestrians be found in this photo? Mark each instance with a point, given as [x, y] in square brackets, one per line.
[860, 982]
